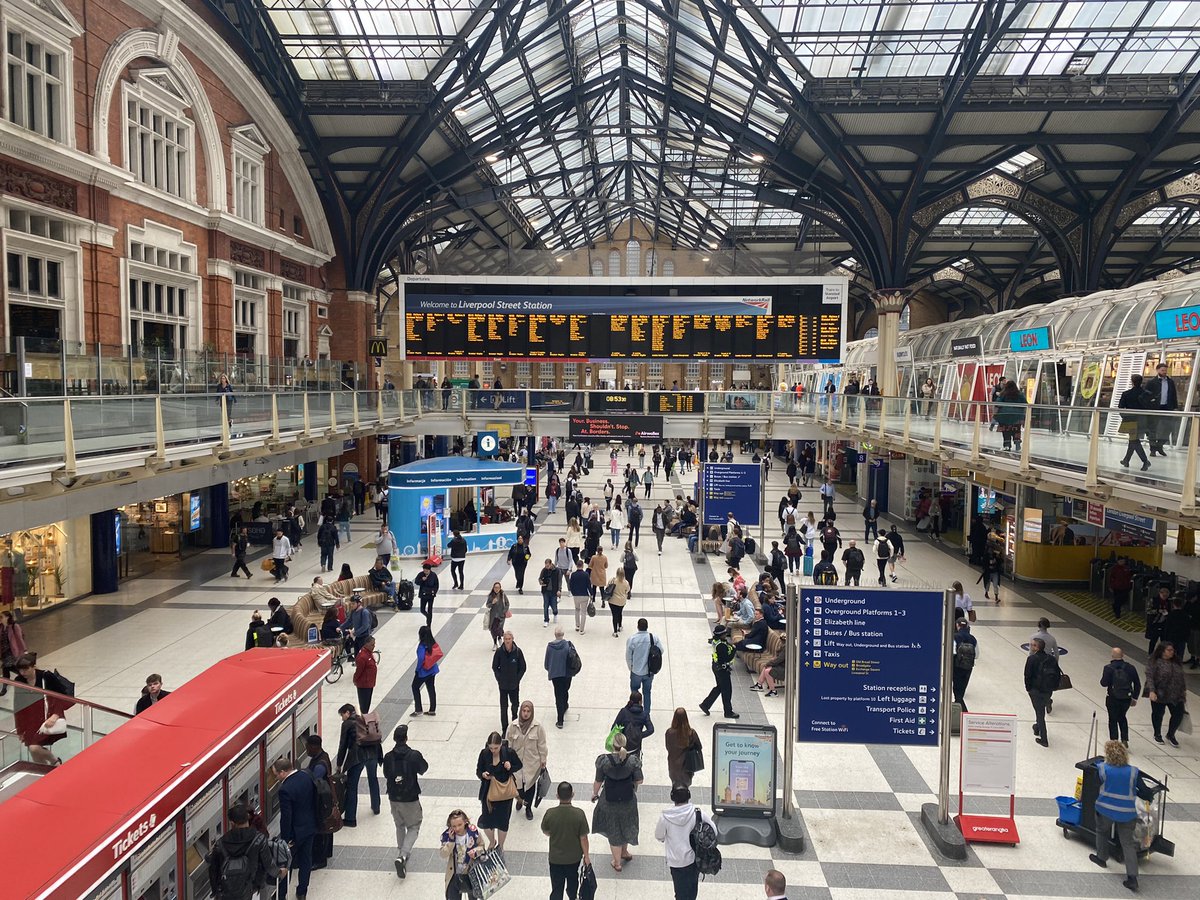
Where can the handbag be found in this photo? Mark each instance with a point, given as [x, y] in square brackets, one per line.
[971, 616]
[587, 882]
[693, 758]
[543, 787]
[1064, 681]
[488, 874]
[591, 608]
[1185, 724]
[58, 729]
[498, 791]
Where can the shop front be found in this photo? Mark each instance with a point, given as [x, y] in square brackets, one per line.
[267, 496]
[158, 532]
[996, 508]
[42, 567]
[915, 485]
[1062, 536]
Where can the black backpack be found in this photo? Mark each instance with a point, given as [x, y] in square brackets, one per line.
[964, 655]
[618, 790]
[574, 663]
[703, 838]
[325, 800]
[1050, 675]
[1122, 684]
[237, 872]
[654, 658]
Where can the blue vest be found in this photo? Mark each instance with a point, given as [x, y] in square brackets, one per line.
[1118, 788]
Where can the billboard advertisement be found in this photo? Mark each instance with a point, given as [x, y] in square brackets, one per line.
[743, 770]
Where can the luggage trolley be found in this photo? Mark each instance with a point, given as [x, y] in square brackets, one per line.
[1079, 816]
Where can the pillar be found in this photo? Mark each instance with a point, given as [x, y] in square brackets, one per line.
[889, 303]
[310, 482]
[104, 552]
[218, 511]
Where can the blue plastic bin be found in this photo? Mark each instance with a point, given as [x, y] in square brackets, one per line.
[1069, 810]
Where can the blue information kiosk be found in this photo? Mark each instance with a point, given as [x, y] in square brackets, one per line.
[426, 495]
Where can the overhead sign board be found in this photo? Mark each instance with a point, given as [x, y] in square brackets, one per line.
[616, 401]
[731, 488]
[676, 402]
[377, 346]
[1184, 322]
[1131, 523]
[971, 345]
[487, 444]
[870, 666]
[615, 428]
[903, 354]
[1029, 339]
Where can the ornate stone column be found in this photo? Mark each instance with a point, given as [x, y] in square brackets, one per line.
[889, 304]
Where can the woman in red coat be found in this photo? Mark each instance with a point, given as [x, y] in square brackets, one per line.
[366, 670]
[40, 718]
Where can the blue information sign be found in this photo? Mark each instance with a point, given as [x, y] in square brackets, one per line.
[870, 665]
[731, 488]
[1030, 339]
[1183, 322]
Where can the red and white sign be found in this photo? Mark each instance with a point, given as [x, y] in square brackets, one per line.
[987, 755]
[1095, 513]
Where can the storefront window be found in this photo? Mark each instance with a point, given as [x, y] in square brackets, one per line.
[266, 496]
[33, 568]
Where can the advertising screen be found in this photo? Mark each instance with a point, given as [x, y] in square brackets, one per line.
[615, 428]
[743, 780]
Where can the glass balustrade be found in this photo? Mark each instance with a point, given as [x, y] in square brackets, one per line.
[24, 711]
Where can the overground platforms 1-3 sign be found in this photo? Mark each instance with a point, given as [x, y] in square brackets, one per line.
[870, 665]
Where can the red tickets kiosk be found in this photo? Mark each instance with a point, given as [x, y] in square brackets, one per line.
[135, 815]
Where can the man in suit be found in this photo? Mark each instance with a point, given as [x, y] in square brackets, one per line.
[297, 820]
[775, 885]
[1166, 399]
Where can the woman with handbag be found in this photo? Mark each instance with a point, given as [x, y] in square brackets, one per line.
[497, 611]
[1131, 426]
[461, 845]
[684, 749]
[496, 770]
[527, 739]
[615, 794]
[40, 719]
[617, 593]
[428, 656]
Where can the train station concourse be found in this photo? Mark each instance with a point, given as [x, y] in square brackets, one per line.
[328, 320]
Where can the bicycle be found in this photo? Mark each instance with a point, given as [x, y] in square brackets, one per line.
[343, 652]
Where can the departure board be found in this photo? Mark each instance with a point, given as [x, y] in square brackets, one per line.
[675, 402]
[612, 319]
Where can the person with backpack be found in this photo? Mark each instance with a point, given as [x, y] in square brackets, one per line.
[1120, 677]
[633, 721]
[644, 657]
[629, 564]
[778, 564]
[327, 542]
[966, 652]
[1042, 677]
[402, 767]
[633, 517]
[884, 551]
[825, 572]
[360, 746]
[320, 767]
[240, 862]
[299, 813]
[562, 663]
[614, 791]
[258, 634]
[580, 586]
[854, 561]
[689, 836]
[238, 546]
[366, 671]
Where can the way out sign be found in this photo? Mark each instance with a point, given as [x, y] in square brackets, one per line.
[988, 767]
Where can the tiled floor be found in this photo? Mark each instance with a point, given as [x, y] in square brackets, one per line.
[860, 805]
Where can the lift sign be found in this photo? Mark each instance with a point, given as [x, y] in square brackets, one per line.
[1030, 339]
[1177, 323]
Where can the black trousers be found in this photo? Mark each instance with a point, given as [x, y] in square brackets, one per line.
[635, 532]
[427, 609]
[882, 563]
[239, 562]
[686, 881]
[562, 691]
[429, 685]
[519, 574]
[564, 877]
[1118, 724]
[1156, 717]
[723, 689]
[617, 613]
[852, 575]
[961, 678]
[1039, 699]
[364, 699]
[508, 698]
[456, 573]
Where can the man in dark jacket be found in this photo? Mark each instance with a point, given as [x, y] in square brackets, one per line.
[458, 560]
[360, 497]
[381, 579]
[966, 651]
[508, 665]
[897, 541]
[298, 821]
[402, 767]
[1042, 676]
[633, 516]
[1123, 685]
[634, 722]
[831, 538]
[328, 541]
[238, 546]
[825, 572]
[427, 587]
[756, 636]
[279, 622]
[240, 862]
[518, 558]
[352, 759]
[854, 561]
[871, 519]
[778, 564]
[1161, 389]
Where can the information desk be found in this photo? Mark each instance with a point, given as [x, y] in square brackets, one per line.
[768, 319]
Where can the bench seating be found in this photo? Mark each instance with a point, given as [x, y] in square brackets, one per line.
[308, 611]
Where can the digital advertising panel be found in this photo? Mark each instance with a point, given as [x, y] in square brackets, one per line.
[615, 428]
[743, 770]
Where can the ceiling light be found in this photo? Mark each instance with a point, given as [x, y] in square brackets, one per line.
[704, 259]
[758, 157]
[460, 110]
[558, 259]
[493, 157]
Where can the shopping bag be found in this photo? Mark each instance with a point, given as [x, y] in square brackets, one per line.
[608, 741]
[268, 564]
[543, 787]
[1185, 724]
[488, 875]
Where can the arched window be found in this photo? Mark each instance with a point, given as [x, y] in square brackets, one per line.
[668, 268]
[905, 318]
[651, 260]
[614, 264]
[598, 268]
[633, 258]
[872, 332]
